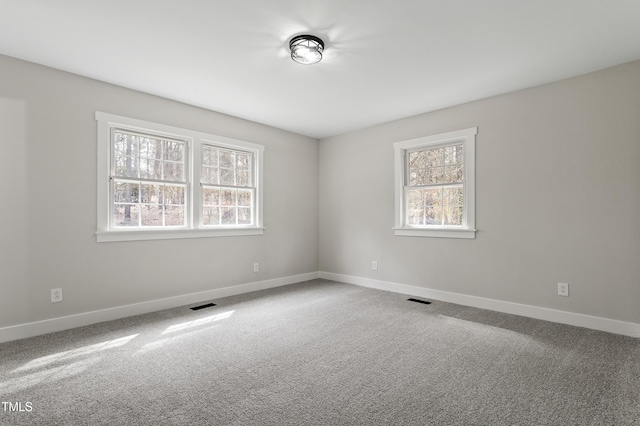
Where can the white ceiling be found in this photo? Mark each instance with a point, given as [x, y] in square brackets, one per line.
[384, 59]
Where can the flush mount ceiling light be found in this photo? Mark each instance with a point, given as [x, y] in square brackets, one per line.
[306, 49]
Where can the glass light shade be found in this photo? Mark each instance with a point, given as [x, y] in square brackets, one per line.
[306, 49]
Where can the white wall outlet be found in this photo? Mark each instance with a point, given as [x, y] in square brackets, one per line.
[256, 267]
[563, 289]
[374, 265]
[56, 295]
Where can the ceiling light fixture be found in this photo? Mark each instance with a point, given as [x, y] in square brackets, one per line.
[306, 49]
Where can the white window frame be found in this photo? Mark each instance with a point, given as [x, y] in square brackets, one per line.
[466, 137]
[193, 211]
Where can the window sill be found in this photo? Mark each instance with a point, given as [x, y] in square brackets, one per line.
[436, 232]
[171, 234]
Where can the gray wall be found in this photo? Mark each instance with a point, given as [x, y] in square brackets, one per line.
[48, 214]
[557, 199]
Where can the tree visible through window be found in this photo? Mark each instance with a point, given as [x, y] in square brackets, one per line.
[228, 190]
[435, 185]
[162, 182]
[148, 178]
[435, 191]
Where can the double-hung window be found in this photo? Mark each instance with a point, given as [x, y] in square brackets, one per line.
[435, 185]
[148, 180]
[163, 182]
[228, 188]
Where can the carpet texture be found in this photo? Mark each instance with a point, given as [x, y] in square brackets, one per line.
[322, 353]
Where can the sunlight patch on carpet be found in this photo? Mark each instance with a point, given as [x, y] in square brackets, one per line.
[67, 355]
[198, 322]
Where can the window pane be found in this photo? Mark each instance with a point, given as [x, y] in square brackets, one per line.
[226, 159]
[211, 216]
[228, 215]
[126, 166]
[228, 197]
[244, 197]
[209, 156]
[453, 196]
[151, 193]
[124, 144]
[417, 161]
[435, 175]
[434, 215]
[453, 174]
[433, 196]
[126, 153]
[415, 197]
[424, 206]
[415, 206]
[243, 161]
[173, 171]
[150, 168]
[227, 177]
[125, 215]
[211, 197]
[151, 215]
[150, 148]
[125, 192]
[453, 206]
[453, 215]
[209, 175]
[174, 216]
[174, 151]
[453, 154]
[416, 217]
[417, 177]
[244, 216]
[242, 178]
[174, 195]
[435, 157]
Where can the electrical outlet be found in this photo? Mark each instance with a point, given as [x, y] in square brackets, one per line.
[56, 295]
[563, 289]
[256, 267]
[374, 265]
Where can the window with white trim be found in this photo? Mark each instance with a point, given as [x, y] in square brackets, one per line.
[435, 185]
[163, 182]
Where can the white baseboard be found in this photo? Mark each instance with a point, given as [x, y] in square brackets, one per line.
[569, 318]
[31, 329]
